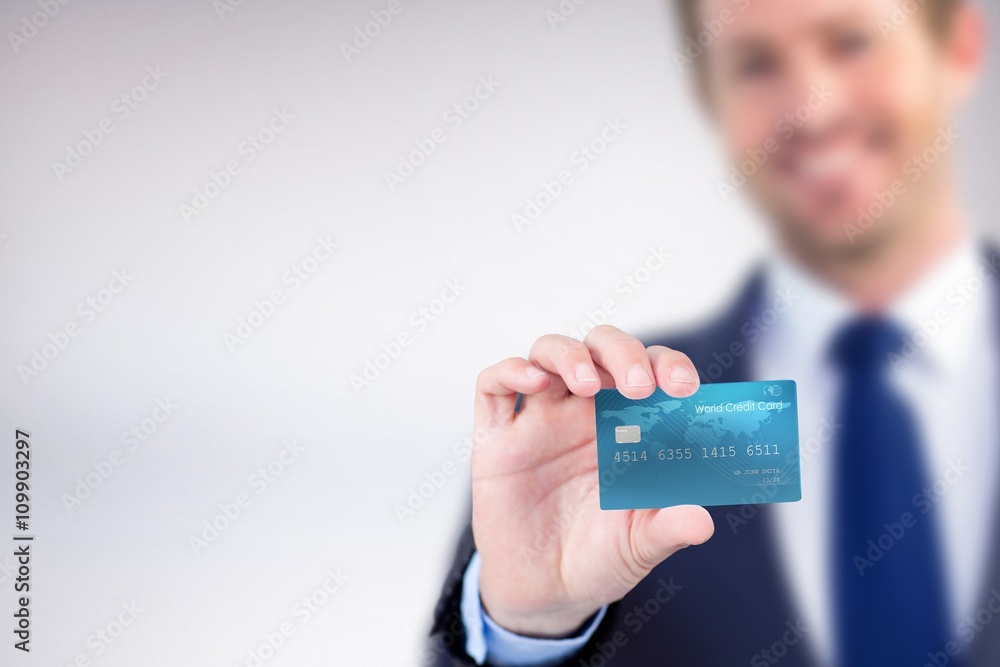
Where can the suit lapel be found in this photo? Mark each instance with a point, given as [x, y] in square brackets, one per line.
[984, 630]
[735, 580]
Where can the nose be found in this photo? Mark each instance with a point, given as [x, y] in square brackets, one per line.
[813, 103]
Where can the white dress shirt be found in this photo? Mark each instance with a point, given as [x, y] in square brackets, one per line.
[952, 386]
[951, 380]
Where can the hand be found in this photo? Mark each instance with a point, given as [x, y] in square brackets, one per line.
[550, 556]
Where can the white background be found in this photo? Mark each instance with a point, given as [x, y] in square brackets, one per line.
[162, 336]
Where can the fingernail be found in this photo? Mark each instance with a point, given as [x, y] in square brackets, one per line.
[584, 373]
[533, 372]
[638, 377]
[681, 374]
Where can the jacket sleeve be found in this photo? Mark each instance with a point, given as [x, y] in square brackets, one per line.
[446, 645]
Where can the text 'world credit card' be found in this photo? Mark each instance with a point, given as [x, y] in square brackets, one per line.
[729, 444]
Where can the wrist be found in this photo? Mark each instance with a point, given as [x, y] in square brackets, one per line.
[553, 623]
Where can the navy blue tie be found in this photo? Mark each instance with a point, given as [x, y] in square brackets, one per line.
[889, 589]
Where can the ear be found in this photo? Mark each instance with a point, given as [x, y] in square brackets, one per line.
[964, 48]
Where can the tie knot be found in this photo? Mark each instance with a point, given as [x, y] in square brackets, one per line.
[865, 343]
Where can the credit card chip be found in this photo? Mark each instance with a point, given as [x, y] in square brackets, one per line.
[626, 434]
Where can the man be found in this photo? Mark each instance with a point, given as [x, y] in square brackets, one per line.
[884, 309]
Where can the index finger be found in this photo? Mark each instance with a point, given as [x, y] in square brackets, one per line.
[624, 357]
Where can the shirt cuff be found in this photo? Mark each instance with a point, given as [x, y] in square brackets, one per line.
[484, 637]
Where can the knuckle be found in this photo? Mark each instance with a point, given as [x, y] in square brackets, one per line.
[483, 378]
[667, 356]
[570, 348]
[643, 559]
[630, 347]
[541, 343]
[555, 346]
[487, 375]
[602, 330]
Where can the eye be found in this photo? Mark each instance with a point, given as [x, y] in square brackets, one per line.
[852, 44]
[756, 66]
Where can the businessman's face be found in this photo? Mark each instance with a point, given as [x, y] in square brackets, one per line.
[829, 106]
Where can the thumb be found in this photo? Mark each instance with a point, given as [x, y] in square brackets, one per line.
[658, 534]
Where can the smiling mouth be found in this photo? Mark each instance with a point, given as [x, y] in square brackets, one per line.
[828, 167]
[825, 165]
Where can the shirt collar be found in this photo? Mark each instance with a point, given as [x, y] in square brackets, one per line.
[948, 307]
[803, 334]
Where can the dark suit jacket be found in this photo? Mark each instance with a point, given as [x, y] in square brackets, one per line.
[718, 604]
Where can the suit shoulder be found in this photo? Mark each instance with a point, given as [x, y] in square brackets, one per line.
[720, 332]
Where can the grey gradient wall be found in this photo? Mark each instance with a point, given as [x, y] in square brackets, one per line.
[122, 535]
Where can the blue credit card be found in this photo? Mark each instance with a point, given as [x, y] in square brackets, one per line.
[729, 443]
